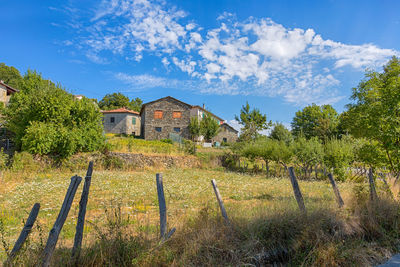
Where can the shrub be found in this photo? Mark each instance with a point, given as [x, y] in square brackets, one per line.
[3, 159]
[23, 161]
[168, 141]
[338, 156]
[189, 147]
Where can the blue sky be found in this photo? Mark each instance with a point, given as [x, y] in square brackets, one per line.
[277, 55]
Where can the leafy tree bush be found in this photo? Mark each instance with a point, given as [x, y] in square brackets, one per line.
[281, 133]
[338, 156]
[119, 100]
[209, 127]
[252, 121]
[316, 121]
[194, 128]
[375, 111]
[308, 153]
[47, 120]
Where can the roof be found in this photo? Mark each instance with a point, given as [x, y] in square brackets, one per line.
[9, 88]
[120, 110]
[165, 98]
[230, 127]
[190, 106]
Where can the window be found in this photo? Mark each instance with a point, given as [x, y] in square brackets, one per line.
[158, 129]
[112, 119]
[158, 114]
[177, 114]
[224, 140]
[134, 121]
[177, 129]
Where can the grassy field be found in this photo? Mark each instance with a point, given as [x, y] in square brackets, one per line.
[129, 199]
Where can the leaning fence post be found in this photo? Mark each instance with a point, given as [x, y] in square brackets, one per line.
[161, 204]
[336, 191]
[296, 190]
[25, 232]
[220, 202]
[62, 216]
[82, 212]
[372, 189]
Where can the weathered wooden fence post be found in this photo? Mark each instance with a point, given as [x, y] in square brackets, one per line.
[296, 190]
[161, 204]
[82, 212]
[372, 189]
[25, 232]
[336, 191]
[62, 216]
[220, 202]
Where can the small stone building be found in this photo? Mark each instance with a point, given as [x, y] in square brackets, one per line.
[164, 116]
[122, 121]
[227, 134]
[5, 92]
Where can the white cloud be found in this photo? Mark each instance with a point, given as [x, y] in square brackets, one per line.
[251, 57]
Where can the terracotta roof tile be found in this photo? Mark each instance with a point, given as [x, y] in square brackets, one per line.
[120, 110]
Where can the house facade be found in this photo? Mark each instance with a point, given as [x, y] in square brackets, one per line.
[168, 115]
[227, 134]
[5, 92]
[164, 116]
[122, 121]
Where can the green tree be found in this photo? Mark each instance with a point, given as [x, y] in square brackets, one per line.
[281, 133]
[316, 121]
[308, 153]
[136, 104]
[47, 120]
[375, 111]
[252, 121]
[10, 76]
[339, 154]
[209, 127]
[113, 101]
[194, 128]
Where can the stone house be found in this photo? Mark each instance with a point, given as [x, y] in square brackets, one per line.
[122, 121]
[164, 116]
[227, 134]
[168, 115]
[5, 92]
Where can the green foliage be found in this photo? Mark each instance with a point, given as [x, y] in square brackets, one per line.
[369, 153]
[281, 133]
[119, 100]
[375, 112]
[252, 121]
[168, 141]
[10, 76]
[316, 121]
[3, 159]
[23, 161]
[47, 120]
[194, 128]
[339, 154]
[209, 127]
[189, 147]
[308, 152]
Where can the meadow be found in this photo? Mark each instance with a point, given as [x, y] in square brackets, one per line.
[122, 219]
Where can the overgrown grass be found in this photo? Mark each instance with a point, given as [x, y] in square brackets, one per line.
[122, 227]
[131, 144]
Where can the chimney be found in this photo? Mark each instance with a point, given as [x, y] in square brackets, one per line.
[204, 106]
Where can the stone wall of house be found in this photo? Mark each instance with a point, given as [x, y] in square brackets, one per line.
[226, 133]
[122, 123]
[167, 123]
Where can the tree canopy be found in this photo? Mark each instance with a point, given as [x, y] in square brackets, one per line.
[375, 111]
[209, 127]
[48, 120]
[252, 121]
[316, 121]
[281, 133]
[10, 76]
[119, 100]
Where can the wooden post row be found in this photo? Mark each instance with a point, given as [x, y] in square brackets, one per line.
[296, 190]
[59, 223]
[372, 189]
[339, 199]
[220, 202]
[24, 233]
[82, 213]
